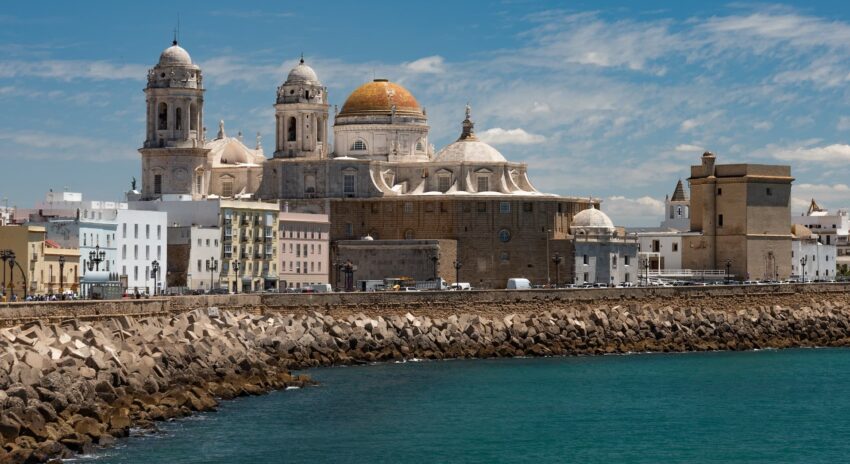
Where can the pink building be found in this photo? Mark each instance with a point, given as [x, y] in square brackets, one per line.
[304, 249]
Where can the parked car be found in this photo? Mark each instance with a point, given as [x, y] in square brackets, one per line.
[408, 289]
[460, 286]
[518, 283]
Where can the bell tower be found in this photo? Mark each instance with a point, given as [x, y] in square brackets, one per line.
[301, 116]
[173, 155]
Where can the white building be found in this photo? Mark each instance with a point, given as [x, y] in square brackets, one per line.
[304, 249]
[831, 229]
[810, 258]
[602, 253]
[131, 240]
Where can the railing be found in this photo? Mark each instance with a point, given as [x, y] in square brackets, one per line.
[714, 273]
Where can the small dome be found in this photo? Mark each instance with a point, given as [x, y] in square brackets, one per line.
[302, 74]
[378, 98]
[594, 219]
[469, 150]
[175, 55]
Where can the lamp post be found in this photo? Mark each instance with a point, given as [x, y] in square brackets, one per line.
[548, 278]
[557, 258]
[803, 261]
[11, 258]
[236, 270]
[5, 255]
[96, 257]
[348, 269]
[154, 273]
[435, 259]
[212, 266]
[457, 265]
[728, 266]
[62, 276]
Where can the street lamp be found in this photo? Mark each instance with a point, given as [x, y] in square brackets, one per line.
[548, 278]
[557, 258]
[154, 273]
[62, 276]
[435, 258]
[5, 255]
[728, 266]
[10, 256]
[212, 266]
[803, 261]
[457, 265]
[96, 257]
[236, 270]
[348, 269]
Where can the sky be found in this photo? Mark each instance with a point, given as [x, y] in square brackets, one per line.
[610, 99]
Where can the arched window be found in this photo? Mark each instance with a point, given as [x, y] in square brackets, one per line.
[178, 119]
[320, 130]
[358, 145]
[504, 235]
[408, 234]
[163, 116]
[419, 146]
[193, 117]
[290, 137]
[309, 183]
[679, 211]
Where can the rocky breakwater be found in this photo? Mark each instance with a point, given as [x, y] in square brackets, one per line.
[68, 387]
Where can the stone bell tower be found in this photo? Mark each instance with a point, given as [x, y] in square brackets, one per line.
[173, 156]
[301, 116]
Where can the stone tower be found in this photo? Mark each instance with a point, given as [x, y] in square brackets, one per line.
[301, 116]
[173, 155]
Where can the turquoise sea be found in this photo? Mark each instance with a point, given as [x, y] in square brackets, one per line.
[753, 407]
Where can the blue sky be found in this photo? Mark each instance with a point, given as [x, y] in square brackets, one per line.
[607, 99]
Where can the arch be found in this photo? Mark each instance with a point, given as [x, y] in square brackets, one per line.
[178, 119]
[291, 130]
[358, 145]
[408, 234]
[193, 117]
[162, 116]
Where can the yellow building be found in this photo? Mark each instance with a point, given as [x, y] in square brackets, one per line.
[37, 262]
[249, 241]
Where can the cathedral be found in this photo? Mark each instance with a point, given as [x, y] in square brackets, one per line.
[377, 177]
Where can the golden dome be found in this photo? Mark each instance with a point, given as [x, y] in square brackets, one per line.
[378, 97]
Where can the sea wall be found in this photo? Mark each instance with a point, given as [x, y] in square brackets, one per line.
[66, 386]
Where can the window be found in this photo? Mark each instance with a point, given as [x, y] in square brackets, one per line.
[147, 231]
[408, 234]
[626, 262]
[420, 146]
[208, 242]
[163, 116]
[504, 257]
[178, 119]
[504, 207]
[719, 220]
[504, 235]
[124, 230]
[193, 117]
[349, 230]
[348, 184]
[227, 188]
[444, 183]
[158, 252]
[679, 211]
[408, 207]
[291, 130]
[147, 252]
[124, 270]
[135, 251]
[358, 145]
[585, 276]
[159, 232]
[769, 191]
[584, 261]
[719, 192]
[614, 261]
[123, 251]
[429, 207]
[528, 207]
[157, 184]
[482, 207]
[483, 184]
[675, 247]
[199, 265]
[135, 272]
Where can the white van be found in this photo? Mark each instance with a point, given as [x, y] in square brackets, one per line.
[518, 283]
[460, 286]
[322, 288]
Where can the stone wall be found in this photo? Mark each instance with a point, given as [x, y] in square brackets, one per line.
[67, 384]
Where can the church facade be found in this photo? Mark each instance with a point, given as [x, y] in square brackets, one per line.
[378, 177]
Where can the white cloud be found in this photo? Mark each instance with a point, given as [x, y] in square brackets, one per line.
[843, 123]
[44, 145]
[763, 125]
[428, 65]
[498, 136]
[688, 148]
[632, 211]
[688, 124]
[833, 154]
[68, 70]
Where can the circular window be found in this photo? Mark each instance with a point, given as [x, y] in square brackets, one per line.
[162, 75]
[291, 92]
[504, 235]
